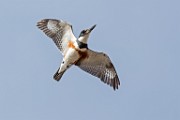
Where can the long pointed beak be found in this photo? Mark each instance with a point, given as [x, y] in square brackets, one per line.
[92, 28]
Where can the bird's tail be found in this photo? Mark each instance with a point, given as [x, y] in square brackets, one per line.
[57, 76]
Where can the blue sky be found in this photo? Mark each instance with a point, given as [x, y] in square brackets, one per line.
[142, 38]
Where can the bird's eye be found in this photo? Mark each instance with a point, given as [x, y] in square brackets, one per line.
[83, 31]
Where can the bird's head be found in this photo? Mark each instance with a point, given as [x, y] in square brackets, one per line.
[84, 35]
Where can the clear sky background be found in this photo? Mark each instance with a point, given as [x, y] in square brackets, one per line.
[142, 38]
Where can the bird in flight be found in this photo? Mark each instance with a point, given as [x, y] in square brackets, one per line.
[75, 51]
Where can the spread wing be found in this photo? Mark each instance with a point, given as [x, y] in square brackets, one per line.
[100, 65]
[60, 32]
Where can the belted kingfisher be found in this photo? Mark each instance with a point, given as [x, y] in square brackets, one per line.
[75, 51]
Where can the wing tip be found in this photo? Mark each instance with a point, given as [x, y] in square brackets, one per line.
[45, 21]
[42, 23]
[116, 83]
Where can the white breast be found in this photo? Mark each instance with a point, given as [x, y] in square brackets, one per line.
[71, 56]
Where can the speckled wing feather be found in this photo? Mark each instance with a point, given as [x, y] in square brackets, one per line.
[100, 65]
[59, 30]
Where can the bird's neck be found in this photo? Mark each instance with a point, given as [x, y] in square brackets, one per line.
[81, 44]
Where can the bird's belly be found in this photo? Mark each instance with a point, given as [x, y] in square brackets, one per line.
[71, 56]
